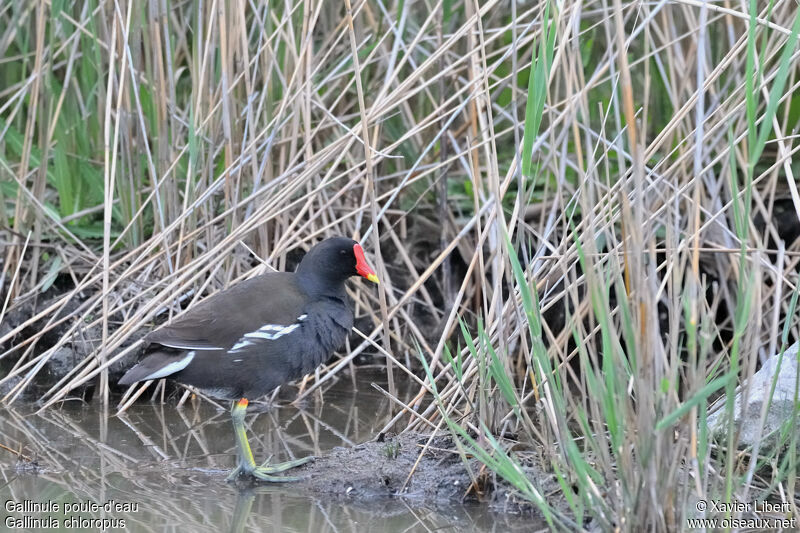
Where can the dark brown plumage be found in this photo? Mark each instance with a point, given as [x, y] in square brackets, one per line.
[246, 341]
[260, 333]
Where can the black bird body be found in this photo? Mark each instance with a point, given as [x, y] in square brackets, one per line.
[261, 333]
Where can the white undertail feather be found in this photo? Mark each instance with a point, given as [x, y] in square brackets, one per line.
[175, 366]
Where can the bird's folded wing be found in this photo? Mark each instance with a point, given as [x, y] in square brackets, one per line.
[219, 322]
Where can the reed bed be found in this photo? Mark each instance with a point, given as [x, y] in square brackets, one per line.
[584, 214]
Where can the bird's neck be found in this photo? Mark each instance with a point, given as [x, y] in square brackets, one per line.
[318, 286]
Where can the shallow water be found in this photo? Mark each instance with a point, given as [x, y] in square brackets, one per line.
[159, 468]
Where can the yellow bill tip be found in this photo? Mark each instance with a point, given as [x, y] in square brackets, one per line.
[373, 278]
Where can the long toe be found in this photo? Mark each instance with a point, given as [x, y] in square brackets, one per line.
[266, 472]
[266, 475]
[283, 467]
[234, 475]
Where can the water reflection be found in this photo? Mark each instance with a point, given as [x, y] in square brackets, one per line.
[161, 469]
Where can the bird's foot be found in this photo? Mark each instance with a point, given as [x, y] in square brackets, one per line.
[266, 471]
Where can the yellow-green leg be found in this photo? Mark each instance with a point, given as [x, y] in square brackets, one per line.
[244, 455]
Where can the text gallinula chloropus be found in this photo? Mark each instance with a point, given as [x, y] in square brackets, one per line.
[259, 334]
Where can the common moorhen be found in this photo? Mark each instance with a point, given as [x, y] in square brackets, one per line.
[259, 334]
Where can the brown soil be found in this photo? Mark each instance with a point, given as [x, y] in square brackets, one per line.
[375, 471]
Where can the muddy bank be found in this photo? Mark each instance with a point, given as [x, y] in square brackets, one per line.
[379, 470]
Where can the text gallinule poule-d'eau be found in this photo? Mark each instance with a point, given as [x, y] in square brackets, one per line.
[261, 333]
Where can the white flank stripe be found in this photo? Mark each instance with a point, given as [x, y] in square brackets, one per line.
[179, 347]
[271, 331]
[171, 368]
[268, 332]
[239, 345]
